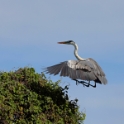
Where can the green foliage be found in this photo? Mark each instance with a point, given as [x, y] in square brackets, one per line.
[27, 97]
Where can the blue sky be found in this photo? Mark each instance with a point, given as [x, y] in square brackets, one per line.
[30, 30]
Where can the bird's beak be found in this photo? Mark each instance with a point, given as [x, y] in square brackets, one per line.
[61, 42]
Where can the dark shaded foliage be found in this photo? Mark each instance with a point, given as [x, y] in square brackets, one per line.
[27, 97]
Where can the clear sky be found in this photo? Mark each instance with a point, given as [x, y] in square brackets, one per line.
[30, 30]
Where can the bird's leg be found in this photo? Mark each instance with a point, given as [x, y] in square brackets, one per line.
[85, 83]
[88, 84]
[82, 82]
[76, 81]
[94, 86]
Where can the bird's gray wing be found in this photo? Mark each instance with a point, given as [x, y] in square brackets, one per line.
[64, 68]
[74, 69]
[84, 70]
[97, 70]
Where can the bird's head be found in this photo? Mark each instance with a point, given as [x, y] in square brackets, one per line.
[69, 42]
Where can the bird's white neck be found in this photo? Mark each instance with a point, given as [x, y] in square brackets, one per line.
[76, 52]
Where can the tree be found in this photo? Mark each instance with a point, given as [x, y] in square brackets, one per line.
[27, 97]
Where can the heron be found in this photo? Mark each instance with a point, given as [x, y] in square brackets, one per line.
[81, 70]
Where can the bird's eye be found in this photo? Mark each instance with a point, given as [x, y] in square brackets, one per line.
[70, 41]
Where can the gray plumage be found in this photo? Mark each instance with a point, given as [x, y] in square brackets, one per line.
[83, 69]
